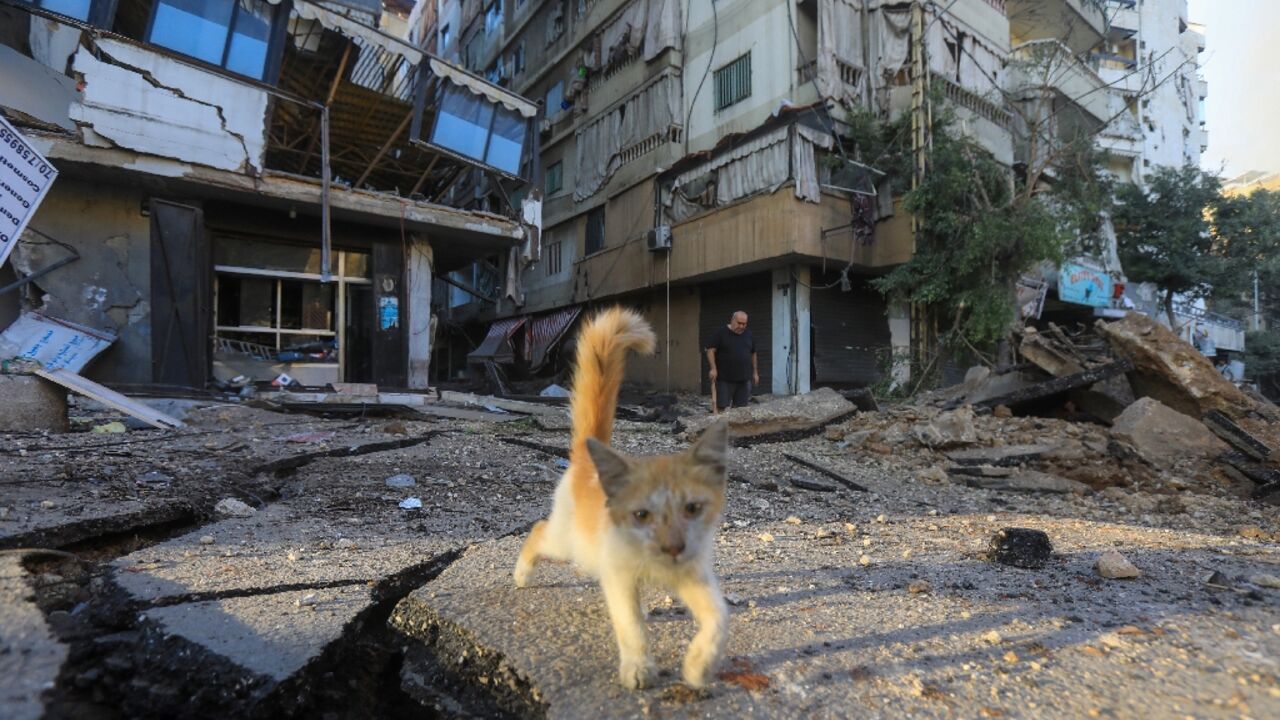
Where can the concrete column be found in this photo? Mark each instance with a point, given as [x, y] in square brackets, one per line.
[900, 342]
[792, 351]
[418, 277]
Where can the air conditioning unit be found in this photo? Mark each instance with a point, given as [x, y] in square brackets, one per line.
[659, 238]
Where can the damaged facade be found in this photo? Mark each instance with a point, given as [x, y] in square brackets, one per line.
[692, 165]
[248, 188]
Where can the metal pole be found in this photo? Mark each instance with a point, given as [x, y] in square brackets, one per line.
[1257, 317]
[326, 241]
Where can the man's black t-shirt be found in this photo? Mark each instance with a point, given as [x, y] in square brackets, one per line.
[733, 354]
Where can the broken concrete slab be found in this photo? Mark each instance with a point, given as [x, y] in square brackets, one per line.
[489, 401]
[1049, 355]
[949, 429]
[30, 656]
[1002, 456]
[1031, 481]
[33, 522]
[780, 418]
[1057, 386]
[1163, 436]
[32, 404]
[1170, 370]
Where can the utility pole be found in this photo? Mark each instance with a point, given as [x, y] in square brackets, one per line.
[921, 127]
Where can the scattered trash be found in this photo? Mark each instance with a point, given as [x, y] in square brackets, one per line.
[400, 481]
[495, 409]
[283, 380]
[1112, 565]
[233, 508]
[1021, 547]
[561, 463]
[411, 503]
[114, 426]
[554, 391]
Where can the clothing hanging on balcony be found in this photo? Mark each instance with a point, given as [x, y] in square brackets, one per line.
[625, 132]
[839, 42]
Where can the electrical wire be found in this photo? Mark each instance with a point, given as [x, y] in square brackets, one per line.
[715, 41]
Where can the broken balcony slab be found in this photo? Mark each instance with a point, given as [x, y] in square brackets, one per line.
[1057, 386]
[30, 656]
[779, 418]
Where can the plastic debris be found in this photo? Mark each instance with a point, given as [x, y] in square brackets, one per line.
[554, 390]
[411, 503]
[111, 427]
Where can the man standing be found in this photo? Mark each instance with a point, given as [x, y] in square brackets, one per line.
[731, 353]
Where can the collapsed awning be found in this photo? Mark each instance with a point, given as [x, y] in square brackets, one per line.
[542, 334]
[483, 88]
[497, 344]
[352, 29]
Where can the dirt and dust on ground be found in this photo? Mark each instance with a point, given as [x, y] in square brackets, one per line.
[1091, 533]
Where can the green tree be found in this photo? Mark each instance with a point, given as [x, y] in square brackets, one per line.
[1247, 231]
[1165, 235]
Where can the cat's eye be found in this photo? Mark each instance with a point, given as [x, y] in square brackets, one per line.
[641, 515]
[692, 508]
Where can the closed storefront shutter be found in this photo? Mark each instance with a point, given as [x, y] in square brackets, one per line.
[851, 342]
[751, 295]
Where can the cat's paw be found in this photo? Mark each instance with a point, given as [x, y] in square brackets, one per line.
[521, 574]
[636, 673]
[700, 663]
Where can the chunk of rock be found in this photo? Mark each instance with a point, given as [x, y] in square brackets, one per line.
[1021, 547]
[1164, 436]
[792, 414]
[1169, 369]
[949, 429]
[1266, 580]
[999, 456]
[233, 508]
[1112, 565]
[1028, 481]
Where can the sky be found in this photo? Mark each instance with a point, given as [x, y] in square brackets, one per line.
[1240, 62]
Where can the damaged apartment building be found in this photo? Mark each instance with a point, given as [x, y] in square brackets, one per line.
[692, 163]
[252, 187]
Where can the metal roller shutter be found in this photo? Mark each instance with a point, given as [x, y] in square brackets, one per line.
[751, 295]
[850, 334]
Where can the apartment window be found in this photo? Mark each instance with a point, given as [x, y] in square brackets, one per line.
[733, 82]
[233, 34]
[493, 18]
[554, 101]
[555, 178]
[595, 230]
[78, 9]
[552, 257]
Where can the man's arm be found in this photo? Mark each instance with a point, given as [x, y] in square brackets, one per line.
[711, 359]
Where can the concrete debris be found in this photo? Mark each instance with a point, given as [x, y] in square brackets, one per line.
[1032, 481]
[949, 429]
[1005, 455]
[1021, 547]
[1163, 436]
[1266, 580]
[31, 656]
[31, 404]
[791, 416]
[1112, 565]
[1170, 370]
[233, 508]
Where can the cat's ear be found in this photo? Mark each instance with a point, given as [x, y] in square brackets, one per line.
[614, 469]
[712, 448]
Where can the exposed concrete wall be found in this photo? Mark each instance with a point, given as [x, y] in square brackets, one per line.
[679, 343]
[109, 287]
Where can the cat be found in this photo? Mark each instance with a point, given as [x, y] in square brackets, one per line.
[636, 521]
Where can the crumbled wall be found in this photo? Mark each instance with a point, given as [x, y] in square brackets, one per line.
[109, 286]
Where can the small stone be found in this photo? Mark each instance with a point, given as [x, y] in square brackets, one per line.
[307, 600]
[1266, 580]
[233, 508]
[1111, 640]
[792, 520]
[932, 475]
[734, 599]
[48, 504]
[882, 519]
[864, 560]
[1002, 411]
[866, 542]
[206, 539]
[400, 481]
[991, 637]
[906, 554]
[1111, 564]
[411, 503]
[932, 513]
[919, 587]
[933, 528]
[291, 556]
[346, 544]
[1011, 657]
[851, 528]
[1021, 547]
[765, 537]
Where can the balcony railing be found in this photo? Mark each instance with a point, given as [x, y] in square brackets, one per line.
[973, 102]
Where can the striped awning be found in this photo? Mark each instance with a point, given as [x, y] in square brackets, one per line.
[542, 334]
[497, 344]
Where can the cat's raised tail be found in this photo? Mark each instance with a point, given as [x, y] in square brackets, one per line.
[601, 361]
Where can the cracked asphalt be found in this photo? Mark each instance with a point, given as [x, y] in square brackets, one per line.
[844, 603]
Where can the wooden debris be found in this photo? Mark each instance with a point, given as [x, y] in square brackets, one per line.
[1236, 436]
[1055, 358]
[111, 398]
[817, 467]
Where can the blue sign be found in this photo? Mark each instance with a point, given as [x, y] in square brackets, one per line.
[1084, 286]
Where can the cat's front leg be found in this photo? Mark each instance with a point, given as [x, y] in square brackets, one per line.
[622, 598]
[705, 602]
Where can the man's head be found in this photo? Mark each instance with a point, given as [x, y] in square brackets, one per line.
[738, 322]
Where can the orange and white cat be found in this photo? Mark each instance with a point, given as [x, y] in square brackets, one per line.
[636, 521]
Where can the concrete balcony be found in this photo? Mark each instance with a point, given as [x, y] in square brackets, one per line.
[1044, 66]
[1078, 24]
